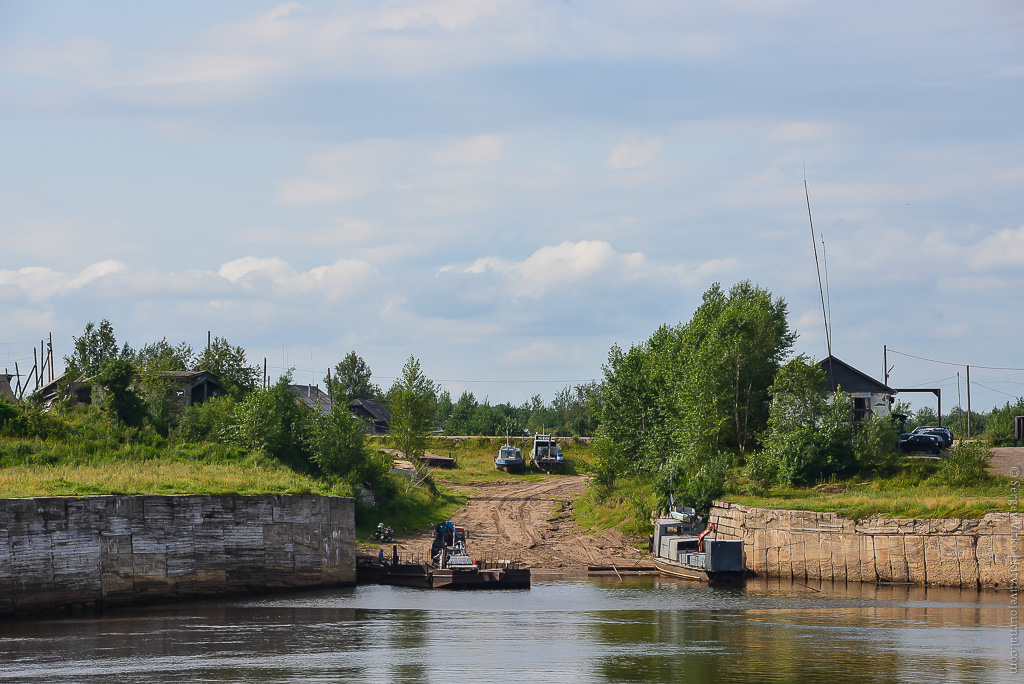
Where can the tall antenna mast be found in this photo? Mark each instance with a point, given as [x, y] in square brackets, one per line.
[821, 291]
[828, 296]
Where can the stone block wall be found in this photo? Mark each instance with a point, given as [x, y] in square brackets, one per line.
[824, 546]
[62, 552]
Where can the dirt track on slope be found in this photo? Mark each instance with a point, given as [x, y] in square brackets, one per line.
[1004, 459]
[531, 521]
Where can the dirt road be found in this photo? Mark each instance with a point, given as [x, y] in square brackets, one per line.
[1008, 461]
[532, 521]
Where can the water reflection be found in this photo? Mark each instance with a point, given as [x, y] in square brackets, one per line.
[644, 629]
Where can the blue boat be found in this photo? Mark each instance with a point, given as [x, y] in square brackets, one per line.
[510, 458]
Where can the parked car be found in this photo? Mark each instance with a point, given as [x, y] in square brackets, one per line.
[945, 435]
[910, 441]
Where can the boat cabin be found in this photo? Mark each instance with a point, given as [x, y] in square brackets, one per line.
[685, 541]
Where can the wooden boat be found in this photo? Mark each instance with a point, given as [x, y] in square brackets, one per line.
[683, 546]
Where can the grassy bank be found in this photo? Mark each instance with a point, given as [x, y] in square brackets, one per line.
[32, 467]
[860, 500]
[474, 458]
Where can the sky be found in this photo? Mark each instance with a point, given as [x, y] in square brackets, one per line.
[505, 189]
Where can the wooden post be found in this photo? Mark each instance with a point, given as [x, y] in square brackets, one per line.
[968, 402]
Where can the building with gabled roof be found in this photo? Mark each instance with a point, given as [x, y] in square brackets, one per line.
[376, 414]
[6, 391]
[193, 387]
[869, 396]
[313, 398]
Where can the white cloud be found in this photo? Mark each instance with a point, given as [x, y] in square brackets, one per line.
[81, 58]
[635, 150]
[477, 150]
[335, 281]
[569, 263]
[41, 283]
[344, 172]
[535, 354]
[1005, 248]
[803, 130]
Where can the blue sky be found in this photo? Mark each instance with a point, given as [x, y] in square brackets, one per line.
[506, 189]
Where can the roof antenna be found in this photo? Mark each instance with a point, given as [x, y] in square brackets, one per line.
[821, 291]
[828, 296]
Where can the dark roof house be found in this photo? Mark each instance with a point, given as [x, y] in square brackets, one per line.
[194, 387]
[375, 413]
[78, 390]
[313, 398]
[869, 396]
[5, 386]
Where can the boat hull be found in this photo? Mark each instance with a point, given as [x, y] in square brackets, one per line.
[692, 572]
[370, 570]
[549, 466]
[509, 466]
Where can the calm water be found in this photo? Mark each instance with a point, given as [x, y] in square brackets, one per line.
[645, 629]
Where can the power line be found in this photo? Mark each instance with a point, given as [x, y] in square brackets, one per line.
[993, 389]
[950, 363]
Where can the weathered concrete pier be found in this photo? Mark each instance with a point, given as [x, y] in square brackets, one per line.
[69, 552]
[824, 546]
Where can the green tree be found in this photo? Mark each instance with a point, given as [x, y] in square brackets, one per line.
[1000, 421]
[211, 421]
[339, 449]
[161, 356]
[159, 392]
[118, 395]
[460, 415]
[809, 437]
[230, 366]
[271, 421]
[351, 380]
[923, 416]
[443, 411]
[875, 445]
[630, 412]
[92, 350]
[412, 406]
[731, 350]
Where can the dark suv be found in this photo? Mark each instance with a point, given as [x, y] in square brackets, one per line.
[919, 442]
[944, 435]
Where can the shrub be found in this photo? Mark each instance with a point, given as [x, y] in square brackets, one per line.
[999, 426]
[206, 422]
[875, 446]
[966, 464]
[762, 470]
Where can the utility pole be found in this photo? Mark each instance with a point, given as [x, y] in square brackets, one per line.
[968, 402]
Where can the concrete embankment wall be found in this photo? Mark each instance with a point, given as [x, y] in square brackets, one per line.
[824, 546]
[65, 552]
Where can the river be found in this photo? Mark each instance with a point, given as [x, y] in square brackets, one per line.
[564, 629]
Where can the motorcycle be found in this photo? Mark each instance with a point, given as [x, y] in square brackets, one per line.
[384, 534]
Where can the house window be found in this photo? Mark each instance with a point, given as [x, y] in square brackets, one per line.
[861, 409]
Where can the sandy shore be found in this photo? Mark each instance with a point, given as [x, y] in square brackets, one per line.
[531, 521]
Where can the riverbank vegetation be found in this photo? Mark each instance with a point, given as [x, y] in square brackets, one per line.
[713, 408]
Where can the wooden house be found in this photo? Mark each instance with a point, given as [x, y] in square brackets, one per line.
[869, 396]
[313, 398]
[376, 414]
